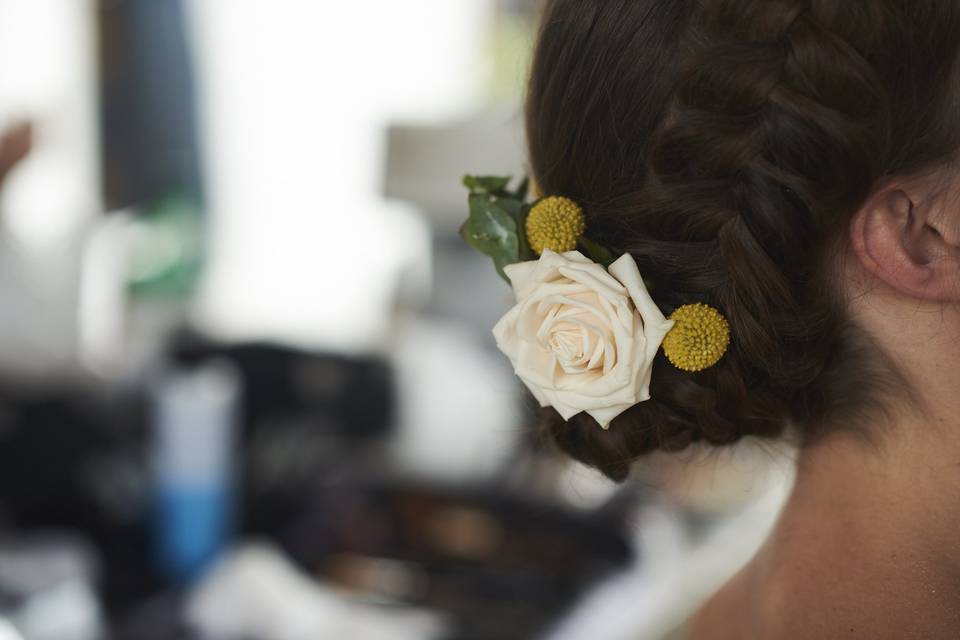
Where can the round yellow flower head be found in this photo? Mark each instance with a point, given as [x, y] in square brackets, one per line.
[699, 338]
[555, 223]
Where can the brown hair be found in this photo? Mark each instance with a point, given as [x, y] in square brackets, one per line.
[725, 144]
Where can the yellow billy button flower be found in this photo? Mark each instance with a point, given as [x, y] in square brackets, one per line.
[555, 223]
[699, 338]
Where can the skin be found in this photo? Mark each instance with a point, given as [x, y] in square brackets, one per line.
[868, 544]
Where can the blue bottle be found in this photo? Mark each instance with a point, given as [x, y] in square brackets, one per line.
[194, 416]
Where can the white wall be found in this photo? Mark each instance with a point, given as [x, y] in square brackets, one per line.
[295, 99]
[48, 76]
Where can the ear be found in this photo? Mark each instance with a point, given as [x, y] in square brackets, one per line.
[904, 240]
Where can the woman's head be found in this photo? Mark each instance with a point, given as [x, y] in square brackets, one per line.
[728, 145]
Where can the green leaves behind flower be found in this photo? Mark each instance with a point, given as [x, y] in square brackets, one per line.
[596, 252]
[497, 186]
[496, 226]
[489, 184]
[498, 221]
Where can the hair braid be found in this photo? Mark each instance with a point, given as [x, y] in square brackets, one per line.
[762, 125]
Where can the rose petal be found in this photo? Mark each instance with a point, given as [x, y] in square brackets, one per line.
[565, 410]
[606, 415]
[655, 325]
[582, 338]
[520, 275]
[536, 365]
[504, 332]
[596, 279]
[537, 393]
[625, 270]
[573, 256]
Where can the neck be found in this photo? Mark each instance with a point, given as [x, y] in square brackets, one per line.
[910, 460]
[867, 539]
[885, 509]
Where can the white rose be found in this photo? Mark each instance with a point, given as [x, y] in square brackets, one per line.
[582, 338]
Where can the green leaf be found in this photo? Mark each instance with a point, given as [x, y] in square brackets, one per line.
[526, 253]
[597, 252]
[492, 231]
[495, 185]
[519, 212]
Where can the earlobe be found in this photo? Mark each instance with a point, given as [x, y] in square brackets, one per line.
[892, 241]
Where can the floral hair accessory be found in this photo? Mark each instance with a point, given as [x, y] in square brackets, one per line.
[582, 337]
[699, 337]
[584, 333]
[555, 223]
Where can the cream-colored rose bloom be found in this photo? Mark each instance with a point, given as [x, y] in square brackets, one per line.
[582, 338]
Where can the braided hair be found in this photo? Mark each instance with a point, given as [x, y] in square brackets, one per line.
[725, 144]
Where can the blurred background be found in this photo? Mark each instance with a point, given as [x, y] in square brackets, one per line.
[248, 389]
